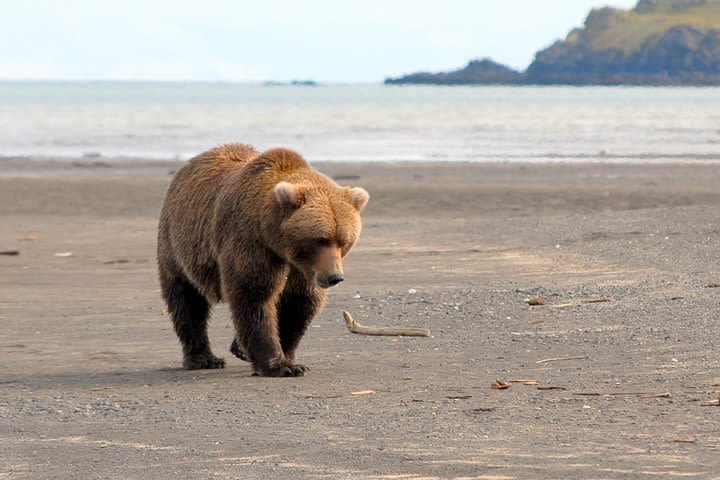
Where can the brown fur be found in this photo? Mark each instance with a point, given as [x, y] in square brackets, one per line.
[263, 232]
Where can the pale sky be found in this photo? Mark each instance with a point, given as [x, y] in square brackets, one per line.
[226, 40]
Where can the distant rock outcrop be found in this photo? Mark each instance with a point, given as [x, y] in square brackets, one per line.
[293, 83]
[659, 42]
[477, 72]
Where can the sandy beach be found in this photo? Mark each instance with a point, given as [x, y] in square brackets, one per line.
[621, 365]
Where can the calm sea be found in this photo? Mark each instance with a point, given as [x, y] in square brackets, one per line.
[362, 122]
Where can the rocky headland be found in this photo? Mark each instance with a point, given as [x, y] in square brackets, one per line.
[659, 42]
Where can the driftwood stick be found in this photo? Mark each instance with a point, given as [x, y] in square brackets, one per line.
[355, 327]
[625, 394]
[560, 359]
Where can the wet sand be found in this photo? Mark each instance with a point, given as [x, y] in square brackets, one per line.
[623, 352]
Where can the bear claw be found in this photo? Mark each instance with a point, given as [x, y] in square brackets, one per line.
[295, 370]
[298, 367]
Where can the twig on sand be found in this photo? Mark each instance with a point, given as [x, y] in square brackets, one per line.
[499, 385]
[597, 300]
[355, 327]
[625, 394]
[560, 359]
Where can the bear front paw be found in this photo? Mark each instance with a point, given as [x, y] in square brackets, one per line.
[206, 360]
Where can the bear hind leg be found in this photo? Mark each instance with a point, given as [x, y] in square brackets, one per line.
[190, 311]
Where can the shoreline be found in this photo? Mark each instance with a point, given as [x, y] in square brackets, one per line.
[38, 166]
[397, 189]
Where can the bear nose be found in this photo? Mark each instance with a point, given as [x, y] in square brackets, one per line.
[335, 278]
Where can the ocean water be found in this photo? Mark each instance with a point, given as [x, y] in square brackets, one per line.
[362, 122]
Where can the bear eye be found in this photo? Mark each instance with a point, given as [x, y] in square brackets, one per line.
[323, 241]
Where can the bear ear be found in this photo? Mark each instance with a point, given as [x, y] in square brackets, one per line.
[359, 197]
[289, 195]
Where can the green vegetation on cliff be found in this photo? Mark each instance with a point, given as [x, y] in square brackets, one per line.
[608, 28]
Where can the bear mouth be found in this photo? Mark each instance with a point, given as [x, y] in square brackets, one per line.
[322, 283]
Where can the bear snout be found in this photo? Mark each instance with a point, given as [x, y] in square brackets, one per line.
[329, 281]
[327, 267]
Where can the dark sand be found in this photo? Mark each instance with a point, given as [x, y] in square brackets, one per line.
[91, 385]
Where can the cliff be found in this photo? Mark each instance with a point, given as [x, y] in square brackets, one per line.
[659, 42]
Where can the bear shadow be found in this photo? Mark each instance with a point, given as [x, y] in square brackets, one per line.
[122, 379]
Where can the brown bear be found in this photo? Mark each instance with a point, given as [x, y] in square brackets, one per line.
[263, 232]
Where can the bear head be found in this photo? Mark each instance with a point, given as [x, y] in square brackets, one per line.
[320, 224]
